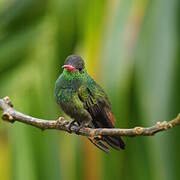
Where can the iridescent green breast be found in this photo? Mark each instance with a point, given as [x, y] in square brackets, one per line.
[66, 94]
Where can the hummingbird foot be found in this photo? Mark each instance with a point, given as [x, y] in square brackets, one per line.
[69, 126]
[82, 125]
[78, 129]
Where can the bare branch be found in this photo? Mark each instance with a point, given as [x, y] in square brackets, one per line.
[11, 115]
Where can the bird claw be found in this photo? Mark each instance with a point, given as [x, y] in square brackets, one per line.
[82, 125]
[78, 129]
[69, 126]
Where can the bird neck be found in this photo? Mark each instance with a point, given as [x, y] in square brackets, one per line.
[71, 80]
[71, 75]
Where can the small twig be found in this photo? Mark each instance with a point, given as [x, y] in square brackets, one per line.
[11, 115]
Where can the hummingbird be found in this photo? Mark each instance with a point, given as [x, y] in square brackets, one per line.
[81, 98]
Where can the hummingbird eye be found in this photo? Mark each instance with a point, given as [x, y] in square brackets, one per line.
[80, 70]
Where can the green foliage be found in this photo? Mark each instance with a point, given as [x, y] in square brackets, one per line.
[130, 47]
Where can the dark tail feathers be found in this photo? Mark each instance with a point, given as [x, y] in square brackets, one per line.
[115, 142]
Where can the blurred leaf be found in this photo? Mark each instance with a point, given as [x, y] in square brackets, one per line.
[21, 14]
[155, 73]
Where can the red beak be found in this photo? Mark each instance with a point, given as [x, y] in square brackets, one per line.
[69, 67]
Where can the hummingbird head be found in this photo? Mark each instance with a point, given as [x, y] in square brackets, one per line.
[74, 63]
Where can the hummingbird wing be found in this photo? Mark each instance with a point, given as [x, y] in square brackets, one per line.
[96, 102]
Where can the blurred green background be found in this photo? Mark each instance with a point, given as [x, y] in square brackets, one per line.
[131, 47]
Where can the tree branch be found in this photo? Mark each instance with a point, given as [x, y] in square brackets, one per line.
[11, 115]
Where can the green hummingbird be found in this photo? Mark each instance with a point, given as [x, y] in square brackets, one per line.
[80, 97]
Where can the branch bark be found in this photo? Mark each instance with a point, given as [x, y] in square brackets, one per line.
[11, 115]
